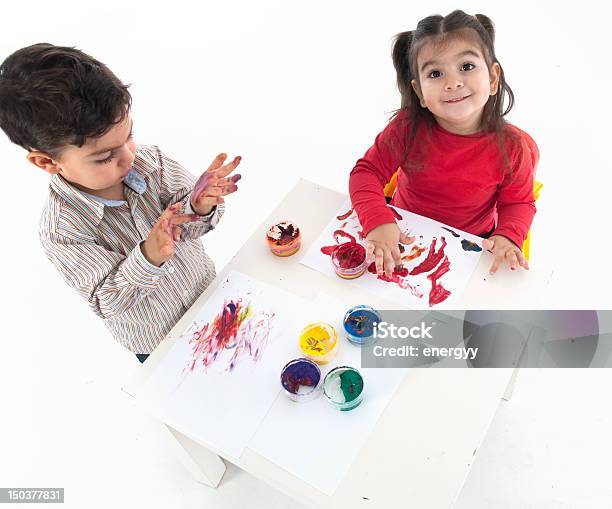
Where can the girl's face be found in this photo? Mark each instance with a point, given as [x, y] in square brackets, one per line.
[454, 83]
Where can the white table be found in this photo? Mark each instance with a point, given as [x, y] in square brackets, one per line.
[423, 445]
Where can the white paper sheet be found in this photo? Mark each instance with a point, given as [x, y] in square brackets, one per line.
[417, 295]
[312, 440]
[215, 404]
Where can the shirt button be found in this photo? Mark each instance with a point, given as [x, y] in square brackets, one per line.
[171, 270]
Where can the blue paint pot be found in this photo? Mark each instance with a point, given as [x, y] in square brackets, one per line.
[359, 323]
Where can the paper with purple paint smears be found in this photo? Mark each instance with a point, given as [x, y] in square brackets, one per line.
[237, 327]
[433, 244]
[221, 376]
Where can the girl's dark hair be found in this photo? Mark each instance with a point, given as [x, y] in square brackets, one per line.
[405, 52]
[54, 96]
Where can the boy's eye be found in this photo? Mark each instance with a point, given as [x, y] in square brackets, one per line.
[107, 160]
[434, 74]
[467, 67]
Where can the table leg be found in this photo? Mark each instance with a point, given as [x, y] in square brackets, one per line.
[205, 466]
[510, 387]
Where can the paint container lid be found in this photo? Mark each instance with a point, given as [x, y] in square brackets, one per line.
[284, 238]
[343, 388]
[301, 380]
[319, 342]
[359, 323]
[283, 232]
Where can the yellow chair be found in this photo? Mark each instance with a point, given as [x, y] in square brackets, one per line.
[389, 189]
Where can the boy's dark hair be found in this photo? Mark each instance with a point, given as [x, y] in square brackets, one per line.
[54, 96]
[405, 51]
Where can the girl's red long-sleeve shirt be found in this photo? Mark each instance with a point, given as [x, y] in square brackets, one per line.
[463, 181]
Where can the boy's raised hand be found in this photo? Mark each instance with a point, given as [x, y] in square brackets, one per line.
[159, 246]
[504, 250]
[213, 185]
[382, 242]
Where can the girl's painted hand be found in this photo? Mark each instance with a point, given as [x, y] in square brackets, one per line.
[213, 185]
[160, 244]
[504, 250]
[382, 243]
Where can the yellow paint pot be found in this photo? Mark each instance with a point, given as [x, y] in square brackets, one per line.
[319, 342]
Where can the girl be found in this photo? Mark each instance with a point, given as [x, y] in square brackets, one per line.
[460, 162]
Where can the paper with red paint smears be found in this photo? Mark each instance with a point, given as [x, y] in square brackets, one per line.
[221, 376]
[431, 244]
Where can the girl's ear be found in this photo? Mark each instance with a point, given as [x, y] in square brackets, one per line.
[494, 75]
[417, 89]
[44, 161]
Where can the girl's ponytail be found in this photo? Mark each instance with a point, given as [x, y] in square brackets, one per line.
[401, 62]
[487, 24]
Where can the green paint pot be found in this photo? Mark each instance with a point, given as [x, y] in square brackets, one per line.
[343, 388]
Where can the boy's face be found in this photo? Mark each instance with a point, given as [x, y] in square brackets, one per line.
[455, 84]
[99, 166]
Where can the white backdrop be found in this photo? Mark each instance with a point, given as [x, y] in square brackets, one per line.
[298, 91]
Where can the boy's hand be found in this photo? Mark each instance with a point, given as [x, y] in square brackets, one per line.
[213, 185]
[504, 249]
[382, 243]
[159, 246]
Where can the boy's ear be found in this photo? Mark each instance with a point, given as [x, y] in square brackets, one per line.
[417, 89]
[44, 161]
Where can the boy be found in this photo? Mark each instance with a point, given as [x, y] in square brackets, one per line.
[121, 223]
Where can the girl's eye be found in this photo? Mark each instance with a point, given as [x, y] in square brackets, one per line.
[467, 67]
[434, 74]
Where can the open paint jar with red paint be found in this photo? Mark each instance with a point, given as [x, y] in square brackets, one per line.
[284, 238]
[301, 380]
[349, 260]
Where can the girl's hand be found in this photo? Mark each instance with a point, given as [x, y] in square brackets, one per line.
[382, 242]
[159, 246]
[212, 185]
[504, 249]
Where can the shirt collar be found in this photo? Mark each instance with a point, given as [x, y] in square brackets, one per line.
[95, 203]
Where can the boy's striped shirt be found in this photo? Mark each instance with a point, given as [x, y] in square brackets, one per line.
[95, 245]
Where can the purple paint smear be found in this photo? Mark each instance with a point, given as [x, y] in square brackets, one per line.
[236, 327]
[203, 182]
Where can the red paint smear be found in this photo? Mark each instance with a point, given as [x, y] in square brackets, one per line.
[438, 293]
[342, 217]
[342, 233]
[398, 277]
[343, 225]
[233, 328]
[349, 255]
[328, 250]
[396, 214]
[361, 235]
[433, 258]
[415, 252]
